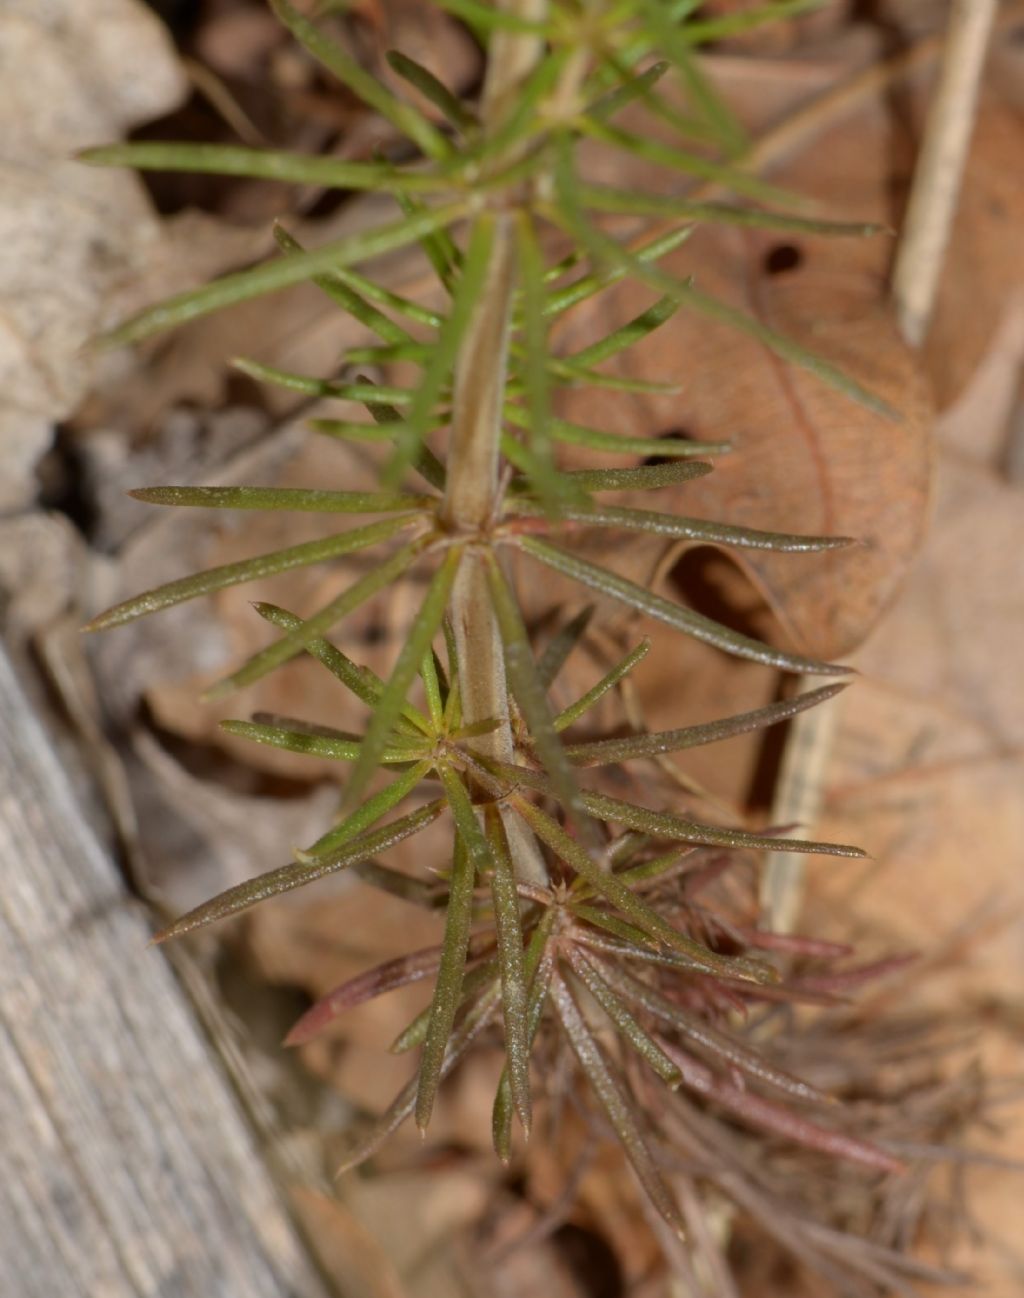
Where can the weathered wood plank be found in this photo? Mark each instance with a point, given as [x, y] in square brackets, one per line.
[126, 1169]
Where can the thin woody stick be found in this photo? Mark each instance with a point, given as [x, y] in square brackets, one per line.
[920, 258]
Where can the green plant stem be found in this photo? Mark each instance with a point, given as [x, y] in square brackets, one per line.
[471, 493]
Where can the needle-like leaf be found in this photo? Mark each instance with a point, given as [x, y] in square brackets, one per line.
[313, 628]
[433, 90]
[648, 477]
[538, 965]
[448, 988]
[298, 499]
[604, 198]
[537, 361]
[682, 619]
[265, 164]
[607, 682]
[287, 877]
[623, 1018]
[314, 745]
[723, 1046]
[626, 335]
[514, 986]
[612, 888]
[364, 684]
[466, 289]
[410, 656]
[270, 276]
[339, 290]
[658, 524]
[613, 1101]
[368, 812]
[602, 752]
[663, 824]
[529, 692]
[762, 1113]
[371, 91]
[558, 649]
[235, 574]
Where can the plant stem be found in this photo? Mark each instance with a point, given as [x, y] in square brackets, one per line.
[471, 495]
[937, 176]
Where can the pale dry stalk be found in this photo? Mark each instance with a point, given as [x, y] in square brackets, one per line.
[918, 267]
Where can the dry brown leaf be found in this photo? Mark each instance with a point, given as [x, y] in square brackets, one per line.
[806, 459]
[928, 771]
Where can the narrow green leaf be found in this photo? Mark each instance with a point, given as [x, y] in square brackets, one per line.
[682, 619]
[614, 1102]
[486, 18]
[648, 477]
[621, 928]
[438, 245]
[607, 682]
[432, 687]
[783, 347]
[602, 752]
[663, 824]
[605, 198]
[373, 292]
[314, 745]
[639, 327]
[453, 703]
[466, 291]
[538, 966]
[389, 705]
[720, 1045]
[688, 164]
[634, 87]
[558, 649]
[297, 499]
[287, 877]
[725, 26]
[535, 375]
[579, 376]
[266, 164]
[571, 215]
[448, 987]
[658, 524]
[310, 386]
[235, 574]
[313, 628]
[433, 90]
[597, 281]
[530, 694]
[371, 811]
[514, 986]
[388, 426]
[364, 85]
[623, 1018]
[597, 439]
[270, 276]
[612, 888]
[364, 684]
[429, 895]
[341, 292]
[699, 88]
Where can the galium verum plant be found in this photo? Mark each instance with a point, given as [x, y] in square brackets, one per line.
[563, 906]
